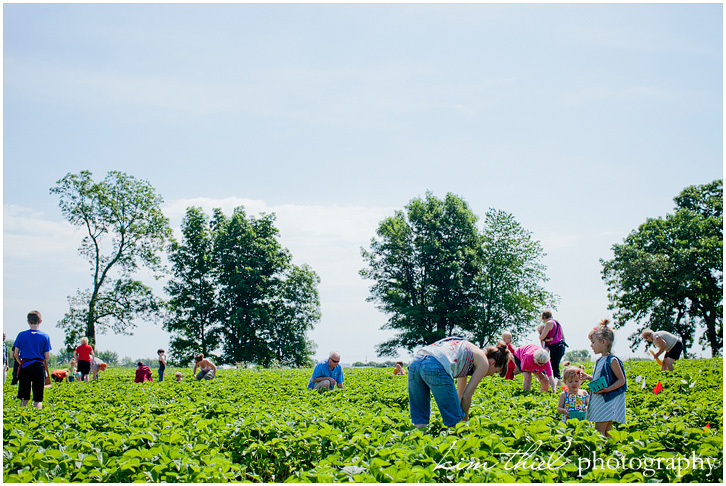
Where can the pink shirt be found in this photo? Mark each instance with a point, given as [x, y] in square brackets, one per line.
[525, 355]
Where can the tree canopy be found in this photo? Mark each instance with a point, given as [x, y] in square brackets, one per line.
[235, 292]
[436, 275]
[668, 274]
[511, 281]
[125, 230]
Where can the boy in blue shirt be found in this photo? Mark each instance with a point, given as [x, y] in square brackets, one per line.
[327, 374]
[32, 348]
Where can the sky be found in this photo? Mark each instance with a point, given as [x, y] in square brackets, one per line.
[581, 120]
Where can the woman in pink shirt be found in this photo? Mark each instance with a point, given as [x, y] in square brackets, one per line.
[533, 359]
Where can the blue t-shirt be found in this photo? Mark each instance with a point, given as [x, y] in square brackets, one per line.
[322, 369]
[32, 345]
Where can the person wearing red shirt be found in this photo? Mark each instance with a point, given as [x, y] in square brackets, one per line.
[84, 355]
[143, 373]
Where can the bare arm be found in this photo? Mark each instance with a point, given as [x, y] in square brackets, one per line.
[481, 367]
[661, 344]
[561, 405]
[546, 330]
[460, 385]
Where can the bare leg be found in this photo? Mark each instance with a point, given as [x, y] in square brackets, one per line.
[667, 364]
[604, 427]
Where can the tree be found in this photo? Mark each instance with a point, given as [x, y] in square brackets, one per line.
[578, 355]
[424, 265]
[192, 310]
[511, 282]
[108, 357]
[125, 229]
[668, 274]
[265, 303]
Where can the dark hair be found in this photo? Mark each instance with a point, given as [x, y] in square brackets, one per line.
[34, 317]
[501, 356]
[547, 314]
[399, 363]
[160, 351]
[140, 364]
[199, 357]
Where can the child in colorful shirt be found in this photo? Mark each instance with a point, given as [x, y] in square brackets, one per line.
[572, 399]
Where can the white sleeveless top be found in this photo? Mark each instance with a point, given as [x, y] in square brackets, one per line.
[454, 354]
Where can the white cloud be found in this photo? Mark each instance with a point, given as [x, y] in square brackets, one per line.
[28, 235]
[326, 237]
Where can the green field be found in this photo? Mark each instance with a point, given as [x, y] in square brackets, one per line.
[264, 425]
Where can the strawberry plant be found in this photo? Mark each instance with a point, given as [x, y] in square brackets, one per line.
[265, 426]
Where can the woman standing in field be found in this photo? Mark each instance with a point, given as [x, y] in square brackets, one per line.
[434, 369]
[84, 355]
[667, 343]
[554, 341]
[206, 367]
[608, 404]
[533, 359]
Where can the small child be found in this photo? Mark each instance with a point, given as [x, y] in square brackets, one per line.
[399, 369]
[608, 404]
[572, 398]
[178, 376]
[511, 367]
[72, 370]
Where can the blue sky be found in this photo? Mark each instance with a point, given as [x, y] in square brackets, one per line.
[581, 120]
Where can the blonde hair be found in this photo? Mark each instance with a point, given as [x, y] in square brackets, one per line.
[603, 333]
[506, 334]
[84, 340]
[541, 356]
[571, 372]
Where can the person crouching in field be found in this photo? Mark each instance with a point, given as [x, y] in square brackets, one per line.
[531, 359]
[573, 399]
[434, 369]
[178, 376]
[399, 369]
[206, 367]
[97, 366]
[667, 343]
[143, 373]
[32, 350]
[608, 404]
[59, 375]
[327, 374]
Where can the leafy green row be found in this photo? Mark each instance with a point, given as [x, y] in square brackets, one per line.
[265, 426]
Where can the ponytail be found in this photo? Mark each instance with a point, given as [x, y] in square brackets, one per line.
[501, 356]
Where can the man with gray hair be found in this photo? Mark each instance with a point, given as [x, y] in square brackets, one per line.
[327, 374]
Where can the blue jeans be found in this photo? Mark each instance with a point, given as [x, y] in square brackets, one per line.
[426, 376]
[161, 374]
